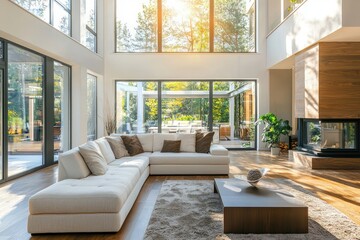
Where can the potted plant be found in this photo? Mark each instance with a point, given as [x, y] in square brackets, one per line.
[274, 128]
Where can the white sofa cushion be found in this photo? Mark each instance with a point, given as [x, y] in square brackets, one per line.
[146, 141]
[105, 149]
[93, 158]
[118, 146]
[72, 164]
[218, 150]
[184, 158]
[139, 162]
[94, 194]
[188, 142]
[159, 140]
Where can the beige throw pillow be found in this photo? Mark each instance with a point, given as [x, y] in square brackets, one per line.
[118, 147]
[93, 158]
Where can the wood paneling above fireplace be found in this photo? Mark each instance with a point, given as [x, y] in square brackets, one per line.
[327, 81]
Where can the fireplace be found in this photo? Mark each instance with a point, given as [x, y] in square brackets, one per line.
[329, 137]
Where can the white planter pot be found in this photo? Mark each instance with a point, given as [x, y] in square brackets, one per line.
[275, 151]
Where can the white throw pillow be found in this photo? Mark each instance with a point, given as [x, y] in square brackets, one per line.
[159, 140]
[106, 150]
[118, 146]
[146, 141]
[93, 158]
[188, 142]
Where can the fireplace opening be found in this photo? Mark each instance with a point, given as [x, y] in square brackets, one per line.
[329, 137]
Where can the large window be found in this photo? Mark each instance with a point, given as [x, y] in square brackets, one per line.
[91, 107]
[91, 28]
[61, 129]
[225, 107]
[34, 110]
[136, 26]
[54, 12]
[185, 26]
[25, 110]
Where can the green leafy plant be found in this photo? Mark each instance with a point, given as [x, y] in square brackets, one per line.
[274, 128]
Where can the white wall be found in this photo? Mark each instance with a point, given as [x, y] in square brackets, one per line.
[19, 26]
[311, 22]
[186, 66]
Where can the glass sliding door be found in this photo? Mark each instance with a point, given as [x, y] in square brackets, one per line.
[25, 110]
[91, 107]
[185, 106]
[1, 122]
[61, 128]
[136, 107]
[234, 113]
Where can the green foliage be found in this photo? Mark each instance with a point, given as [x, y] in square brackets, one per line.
[273, 129]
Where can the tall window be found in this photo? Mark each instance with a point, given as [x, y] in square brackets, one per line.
[91, 28]
[1, 121]
[185, 26]
[25, 110]
[91, 107]
[136, 26]
[61, 129]
[54, 12]
[225, 107]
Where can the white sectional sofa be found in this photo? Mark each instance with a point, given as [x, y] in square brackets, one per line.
[83, 202]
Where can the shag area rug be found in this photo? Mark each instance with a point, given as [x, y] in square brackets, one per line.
[189, 209]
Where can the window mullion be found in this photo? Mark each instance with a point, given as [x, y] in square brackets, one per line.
[212, 26]
[159, 33]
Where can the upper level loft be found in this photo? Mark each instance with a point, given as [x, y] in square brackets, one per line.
[295, 25]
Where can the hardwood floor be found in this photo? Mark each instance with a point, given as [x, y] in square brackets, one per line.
[341, 189]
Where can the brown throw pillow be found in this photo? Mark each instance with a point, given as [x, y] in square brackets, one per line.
[203, 142]
[132, 144]
[171, 146]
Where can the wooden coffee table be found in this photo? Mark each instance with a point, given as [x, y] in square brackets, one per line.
[259, 210]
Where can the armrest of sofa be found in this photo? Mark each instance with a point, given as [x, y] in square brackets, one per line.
[219, 150]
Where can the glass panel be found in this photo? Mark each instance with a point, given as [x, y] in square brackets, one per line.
[1, 50]
[61, 19]
[234, 26]
[136, 107]
[90, 41]
[91, 14]
[39, 8]
[1, 122]
[61, 127]
[136, 26]
[91, 107]
[185, 106]
[65, 3]
[290, 6]
[234, 113]
[185, 25]
[330, 135]
[25, 110]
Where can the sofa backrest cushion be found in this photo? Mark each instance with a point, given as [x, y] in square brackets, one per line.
[187, 142]
[132, 144]
[203, 142]
[118, 146]
[159, 140]
[93, 158]
[105, 149]
[146, 141]
[72, 165]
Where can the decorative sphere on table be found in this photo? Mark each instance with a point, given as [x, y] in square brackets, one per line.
[254, 175]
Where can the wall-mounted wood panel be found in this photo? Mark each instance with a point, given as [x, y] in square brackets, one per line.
[339, 78]
[307, 83]
[327, 81]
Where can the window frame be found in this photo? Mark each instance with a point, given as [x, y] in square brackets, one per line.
[93, 31]
[211, 30]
